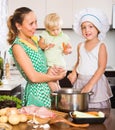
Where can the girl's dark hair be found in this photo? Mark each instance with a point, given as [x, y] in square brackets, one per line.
[17, 17]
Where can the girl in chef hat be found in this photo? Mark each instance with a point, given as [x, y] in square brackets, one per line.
[88, 72]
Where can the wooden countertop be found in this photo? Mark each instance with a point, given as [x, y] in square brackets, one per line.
[109, 124]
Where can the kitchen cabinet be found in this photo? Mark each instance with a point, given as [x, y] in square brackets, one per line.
[113, 19]
[105, 5]
[65, 8]
[39, 7]
[43, 7]
[111, 78]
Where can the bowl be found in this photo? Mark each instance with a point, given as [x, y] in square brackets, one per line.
[90, 120]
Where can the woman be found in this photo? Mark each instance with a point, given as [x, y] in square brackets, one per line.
[30, 59]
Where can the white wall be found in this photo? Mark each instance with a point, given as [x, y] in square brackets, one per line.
[3, 29]
[110, 42]
[113, 1]
[3, 25]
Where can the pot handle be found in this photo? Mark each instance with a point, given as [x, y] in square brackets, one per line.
[54, 93]
[91, 93]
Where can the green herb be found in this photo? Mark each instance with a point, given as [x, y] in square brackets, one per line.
[11, 98]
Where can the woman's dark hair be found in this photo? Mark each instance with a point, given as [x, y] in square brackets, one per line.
[17, 17]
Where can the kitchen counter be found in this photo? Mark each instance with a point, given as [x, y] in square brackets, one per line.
[12, 85]
[11, 89]
[109, 124]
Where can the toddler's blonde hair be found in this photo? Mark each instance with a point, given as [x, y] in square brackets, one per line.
[52, 20]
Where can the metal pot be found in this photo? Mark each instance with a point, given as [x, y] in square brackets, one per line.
[67, 99]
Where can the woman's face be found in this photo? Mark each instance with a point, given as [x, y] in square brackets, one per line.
[29, 25]
[89, 31]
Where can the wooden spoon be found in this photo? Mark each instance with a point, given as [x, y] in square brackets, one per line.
[61, 119]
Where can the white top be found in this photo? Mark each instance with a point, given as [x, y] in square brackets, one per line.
[88, 60]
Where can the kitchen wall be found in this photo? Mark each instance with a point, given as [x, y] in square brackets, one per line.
[3, 25]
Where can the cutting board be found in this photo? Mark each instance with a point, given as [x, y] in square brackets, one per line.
[46, 120]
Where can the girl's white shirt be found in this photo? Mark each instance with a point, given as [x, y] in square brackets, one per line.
[88, 60]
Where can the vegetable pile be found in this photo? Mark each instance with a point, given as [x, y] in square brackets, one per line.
[10, 101]
[12, 116]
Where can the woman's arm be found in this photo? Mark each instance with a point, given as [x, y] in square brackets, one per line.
[102, 61]
[34, 76]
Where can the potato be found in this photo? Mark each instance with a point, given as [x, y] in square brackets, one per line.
[12, 111]
[14, 119]
[3, 119]
[23, 118]
[4, 111]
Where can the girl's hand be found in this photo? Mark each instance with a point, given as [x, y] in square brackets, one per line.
[86, 89]
[72, 77]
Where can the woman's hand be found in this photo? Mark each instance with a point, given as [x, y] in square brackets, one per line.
[51, 45]
[57, 71]
[72, 77]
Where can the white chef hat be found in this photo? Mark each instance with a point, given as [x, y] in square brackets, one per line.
[96, 17]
